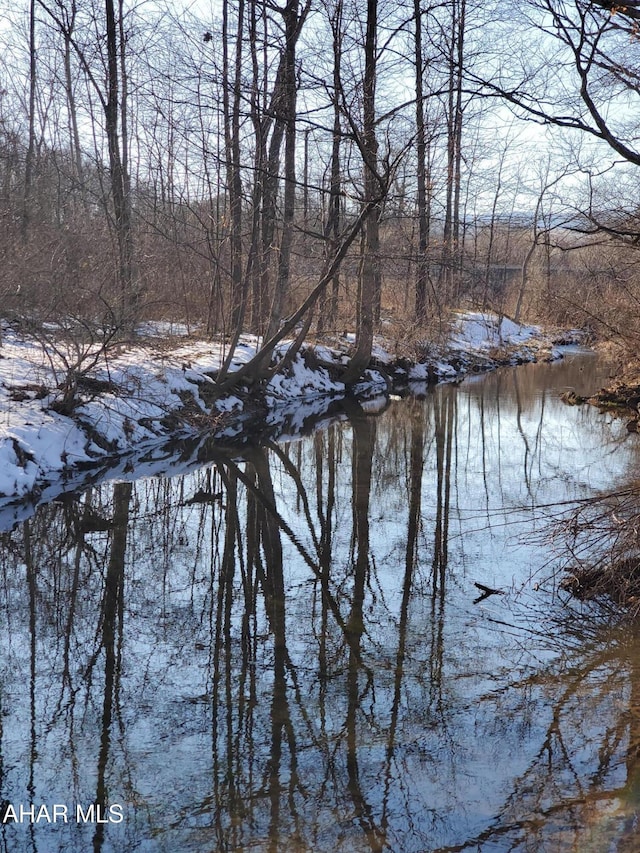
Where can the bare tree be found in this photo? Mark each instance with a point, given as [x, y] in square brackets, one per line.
[374, 190]
[113, 100]
[31, 144]
[232, 155]
[539, 231]
[595, 63]
[329, 315]
[422, 263]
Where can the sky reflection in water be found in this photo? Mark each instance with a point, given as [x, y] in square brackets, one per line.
[282, 652]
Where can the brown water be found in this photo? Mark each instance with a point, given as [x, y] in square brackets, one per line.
[285, 651]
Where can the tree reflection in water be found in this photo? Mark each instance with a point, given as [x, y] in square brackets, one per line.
[280, 651]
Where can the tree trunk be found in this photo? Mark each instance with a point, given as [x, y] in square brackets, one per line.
[457, 154]
[260, 129]
[232, 158]
[328, 315]
[31, 143]
[74, 132]
[288, 119]
[369, 284]
[450, 263]
[280, 114]
[422, 264]
[114, 107]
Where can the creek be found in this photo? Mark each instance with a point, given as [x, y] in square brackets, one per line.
[284, 649]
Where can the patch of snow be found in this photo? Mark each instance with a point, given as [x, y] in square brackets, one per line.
[370, 384]
[418, 372]
[165, 329]
[473, 330]
[326, 354]
[444, 370]
[380, 353]
[299, 382]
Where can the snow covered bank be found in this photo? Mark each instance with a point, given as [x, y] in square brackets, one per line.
[62, 411]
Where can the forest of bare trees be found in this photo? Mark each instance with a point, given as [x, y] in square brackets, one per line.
[242, 608]
[317, 166]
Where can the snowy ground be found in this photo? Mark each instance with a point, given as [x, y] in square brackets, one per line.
[131, 398]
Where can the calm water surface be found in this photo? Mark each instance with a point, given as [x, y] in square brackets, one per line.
[285, 651]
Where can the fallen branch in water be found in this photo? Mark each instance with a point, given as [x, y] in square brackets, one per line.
[486, 592]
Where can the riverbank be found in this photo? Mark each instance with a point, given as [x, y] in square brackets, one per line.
[64, 408]
[620, 397]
